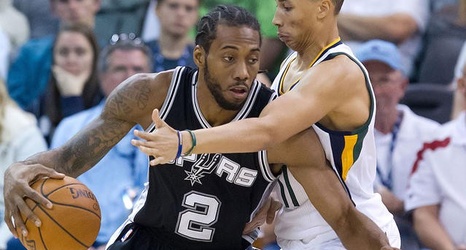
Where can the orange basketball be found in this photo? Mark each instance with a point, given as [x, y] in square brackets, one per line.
[72, 223]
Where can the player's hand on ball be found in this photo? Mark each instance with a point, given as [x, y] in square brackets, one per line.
[161, 143]
[17, 179]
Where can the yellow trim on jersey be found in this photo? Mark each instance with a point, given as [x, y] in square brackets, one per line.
[323, 50]
[347, 156]
[281, 84]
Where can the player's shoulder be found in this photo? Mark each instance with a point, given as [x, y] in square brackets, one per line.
[152, 83]
[346, 68]
[341, 70]
[138, 95]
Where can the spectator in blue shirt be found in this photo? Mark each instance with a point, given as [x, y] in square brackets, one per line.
[174, 47]
[29, 73]
[128, 167]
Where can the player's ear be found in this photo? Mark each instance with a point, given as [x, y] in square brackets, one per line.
[199, 55]
[324, 8]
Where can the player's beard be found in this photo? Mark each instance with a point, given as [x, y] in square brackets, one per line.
[216, 91]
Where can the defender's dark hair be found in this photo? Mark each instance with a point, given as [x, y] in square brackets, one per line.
[229, 15]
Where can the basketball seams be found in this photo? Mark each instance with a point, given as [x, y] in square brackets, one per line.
[51, 192]
[78, 207]
[57, 188]
[66, 194]
[59, 225]
[42, 239]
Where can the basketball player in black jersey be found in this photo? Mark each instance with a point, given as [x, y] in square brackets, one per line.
[196, 201]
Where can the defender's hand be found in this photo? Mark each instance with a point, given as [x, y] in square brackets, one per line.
[162, 143]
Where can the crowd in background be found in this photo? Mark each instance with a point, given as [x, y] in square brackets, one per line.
[60, 59]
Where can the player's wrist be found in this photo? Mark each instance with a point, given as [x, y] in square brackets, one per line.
[189, 142]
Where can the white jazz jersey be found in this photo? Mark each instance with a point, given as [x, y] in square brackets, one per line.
[352, 156]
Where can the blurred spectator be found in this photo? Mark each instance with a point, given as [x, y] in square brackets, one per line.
[459, 102]
[14, 24]
[436, 193]
[444, 37]
[438, 4]
[19, 139]
[30, 71]
[273, 51]
[114, 189]
[4, 54]
[73, 85]
[400, 22]
[120, 16]
[151, 27]
[174, 46]
[42, 22]
[399, 133]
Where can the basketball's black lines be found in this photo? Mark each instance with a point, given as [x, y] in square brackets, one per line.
[42, 239]
[64, 204]
[64, 229]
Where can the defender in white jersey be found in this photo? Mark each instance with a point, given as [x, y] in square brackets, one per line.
[352, 157]
[328, 89]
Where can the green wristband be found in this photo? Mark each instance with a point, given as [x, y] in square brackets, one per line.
[193, 139]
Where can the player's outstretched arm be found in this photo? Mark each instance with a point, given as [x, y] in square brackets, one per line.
[78, 155]
[341, 99]
[304, 157]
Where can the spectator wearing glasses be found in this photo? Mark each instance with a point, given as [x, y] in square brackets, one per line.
[197, 201]
[121, 174]
[174, 46]
[399, 132]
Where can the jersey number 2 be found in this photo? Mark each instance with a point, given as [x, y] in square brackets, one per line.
[200, 214]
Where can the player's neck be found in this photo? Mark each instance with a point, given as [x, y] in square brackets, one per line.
[308, 55]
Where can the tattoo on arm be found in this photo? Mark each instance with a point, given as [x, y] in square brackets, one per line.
[122, 111]
[90, 145]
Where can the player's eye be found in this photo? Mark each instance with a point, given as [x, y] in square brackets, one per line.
[228, 58]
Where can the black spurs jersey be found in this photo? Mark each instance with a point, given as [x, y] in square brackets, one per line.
[204, 201]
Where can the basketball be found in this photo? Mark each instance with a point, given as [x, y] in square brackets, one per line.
[72, 223]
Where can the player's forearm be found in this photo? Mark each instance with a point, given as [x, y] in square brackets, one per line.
[62, 160]
[360, 232]
[395, 28]
[249, 135]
